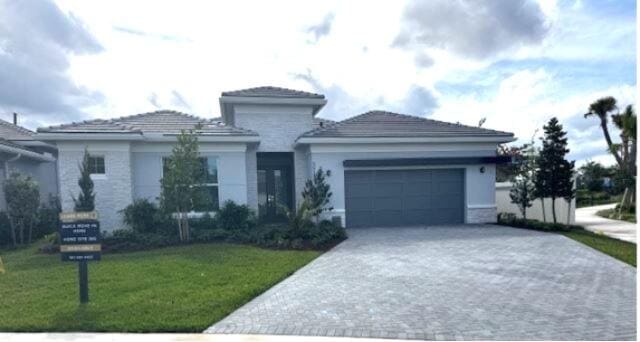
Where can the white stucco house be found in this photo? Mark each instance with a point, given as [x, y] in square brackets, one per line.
[387, 169]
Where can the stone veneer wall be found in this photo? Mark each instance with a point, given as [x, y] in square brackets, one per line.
[482, 215]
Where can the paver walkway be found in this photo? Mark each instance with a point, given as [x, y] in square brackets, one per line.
[456, 282]
[622, 230]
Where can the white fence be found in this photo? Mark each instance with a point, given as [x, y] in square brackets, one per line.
[504, 205]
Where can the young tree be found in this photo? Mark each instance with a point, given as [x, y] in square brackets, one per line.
[180, 184]
[625, 152]
[555, 174]
[86, 198]
[317, 193]
[23, 199]
[523, 191]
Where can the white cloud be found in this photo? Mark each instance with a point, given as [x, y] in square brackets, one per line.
[526, 100]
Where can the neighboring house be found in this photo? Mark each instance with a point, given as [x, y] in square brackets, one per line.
[20, 151]
[386, 169]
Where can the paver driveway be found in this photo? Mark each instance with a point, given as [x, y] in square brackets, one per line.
[455, 282]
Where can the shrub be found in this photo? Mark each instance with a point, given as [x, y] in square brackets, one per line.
[210, 235]
[5, 230]
[326, 233]
[508, 219]
[234, 216]
[48, 218]
[144, 217]
[206, 222]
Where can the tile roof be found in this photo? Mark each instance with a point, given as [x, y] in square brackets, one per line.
[163, 122]
[10, 131]
[376, 124]
[272, 92]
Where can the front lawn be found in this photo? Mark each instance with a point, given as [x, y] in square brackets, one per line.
[182, 289]
[621, 250]
[613, 215]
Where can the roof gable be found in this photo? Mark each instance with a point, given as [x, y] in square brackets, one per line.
[382, 124]
[269, 91]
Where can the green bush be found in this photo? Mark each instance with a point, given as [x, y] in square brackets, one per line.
[5, 230]
[509, 219]
[232, 216]
[145, 217]
[206, 222]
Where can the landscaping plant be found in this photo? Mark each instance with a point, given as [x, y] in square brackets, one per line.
[317, 193]
[23, 198]
[523, 191]
[554, 174]
[624, 152]
[86, 198]
[180, 184]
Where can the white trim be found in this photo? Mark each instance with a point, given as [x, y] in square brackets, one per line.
[99, 176]
[88, 136]
[206, 147]
[272, 100]
[488, 149]
[416, 167]
[481, 206]
[399, 140]
[141, 137]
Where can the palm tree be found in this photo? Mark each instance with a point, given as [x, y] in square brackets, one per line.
[624, 153]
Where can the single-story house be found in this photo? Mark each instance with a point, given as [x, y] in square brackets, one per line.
[21, 152]
[387, 169]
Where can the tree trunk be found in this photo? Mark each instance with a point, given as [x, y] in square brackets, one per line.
[179, 221]
[30, 230]
[553, 209]
[607, 137]
[544, 212]
[524, 214]
[21, 226]
[185, 224]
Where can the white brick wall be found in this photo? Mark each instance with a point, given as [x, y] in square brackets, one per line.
[113, 190]
[252, 178]
[278, 126]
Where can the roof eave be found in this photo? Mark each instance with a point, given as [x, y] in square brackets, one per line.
[400, 140]
[141, 137]
[316, 103]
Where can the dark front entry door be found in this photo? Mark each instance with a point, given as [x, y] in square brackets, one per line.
[275, 186]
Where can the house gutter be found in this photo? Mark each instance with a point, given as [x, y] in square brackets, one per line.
[24, 153]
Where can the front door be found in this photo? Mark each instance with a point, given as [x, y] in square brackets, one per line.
[275, 190]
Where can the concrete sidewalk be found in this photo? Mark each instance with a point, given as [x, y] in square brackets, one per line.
[621, 230]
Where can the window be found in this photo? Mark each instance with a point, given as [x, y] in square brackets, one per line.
[96, 165]
[210, 182]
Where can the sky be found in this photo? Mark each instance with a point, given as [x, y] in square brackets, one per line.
[516, 63]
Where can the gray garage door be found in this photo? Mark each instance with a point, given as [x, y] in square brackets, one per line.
[404, 197]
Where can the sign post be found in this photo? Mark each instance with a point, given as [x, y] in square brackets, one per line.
[80, 241]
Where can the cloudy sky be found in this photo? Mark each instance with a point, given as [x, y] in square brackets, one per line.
[515, 63]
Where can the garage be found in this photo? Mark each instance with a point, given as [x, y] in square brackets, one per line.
[387, 198]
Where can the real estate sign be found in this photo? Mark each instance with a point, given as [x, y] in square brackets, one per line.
[80, 241]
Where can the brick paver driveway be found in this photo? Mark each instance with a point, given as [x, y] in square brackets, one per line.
[462, 282]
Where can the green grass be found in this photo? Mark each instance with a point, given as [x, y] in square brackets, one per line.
[621, 250]
[182, 289]
[613, 214]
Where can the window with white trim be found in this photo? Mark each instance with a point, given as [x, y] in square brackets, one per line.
[210, 169]
[96, 165]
